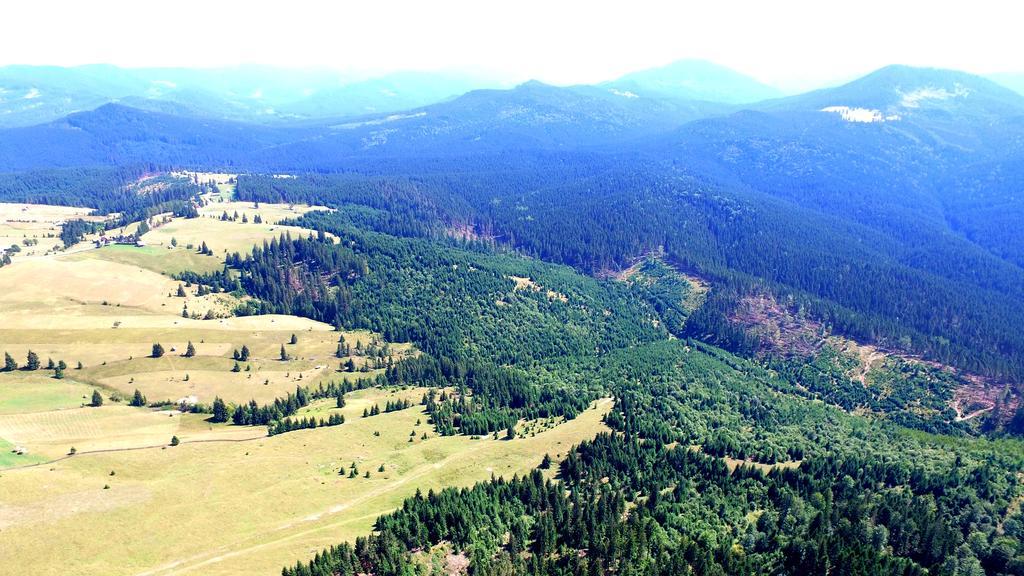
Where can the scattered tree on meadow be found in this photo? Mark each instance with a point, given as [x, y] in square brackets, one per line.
[190, 351]
[97, 399]
[137, 399]
[158, 351]
[546, 462]
[10, 364]
[32, 361]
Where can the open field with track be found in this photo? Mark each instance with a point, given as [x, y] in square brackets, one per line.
[241, 507]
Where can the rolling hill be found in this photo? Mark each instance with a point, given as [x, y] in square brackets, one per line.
[694, 80]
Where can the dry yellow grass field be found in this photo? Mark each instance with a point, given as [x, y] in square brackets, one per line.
[119, 359]
[244, 507]
[37, 222]
[160, 254]
[223, 237]
[110, 427]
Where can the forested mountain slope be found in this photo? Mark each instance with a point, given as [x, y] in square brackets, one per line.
[893, 228]
[718, 466]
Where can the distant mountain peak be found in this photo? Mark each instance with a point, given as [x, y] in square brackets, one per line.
[900, 91]
[694, 80]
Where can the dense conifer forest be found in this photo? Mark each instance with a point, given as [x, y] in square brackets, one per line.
[853, 279]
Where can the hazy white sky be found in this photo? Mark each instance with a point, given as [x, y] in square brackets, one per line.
[792, 43]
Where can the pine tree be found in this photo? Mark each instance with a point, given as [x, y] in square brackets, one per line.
[181, 291]
[175, 441]
[236, 368]
[137, 399]
[58, 373]
[220, 410]
[10, 364]
[32, 361]
[158, 351]
[284, 354]
[190, 351]
[294, 340]
[97, 400]
[244, 354]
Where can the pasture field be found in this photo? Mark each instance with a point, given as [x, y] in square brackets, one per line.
[26, 392]
[242, 507]
[110, 427]
[166, 260]
[119, 359]
[223, 237]
[38, 223]
[172, 247]
[108, 315]
[67, 292]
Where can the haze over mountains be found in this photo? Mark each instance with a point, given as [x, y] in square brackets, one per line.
[36, 94]
[906, 172]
